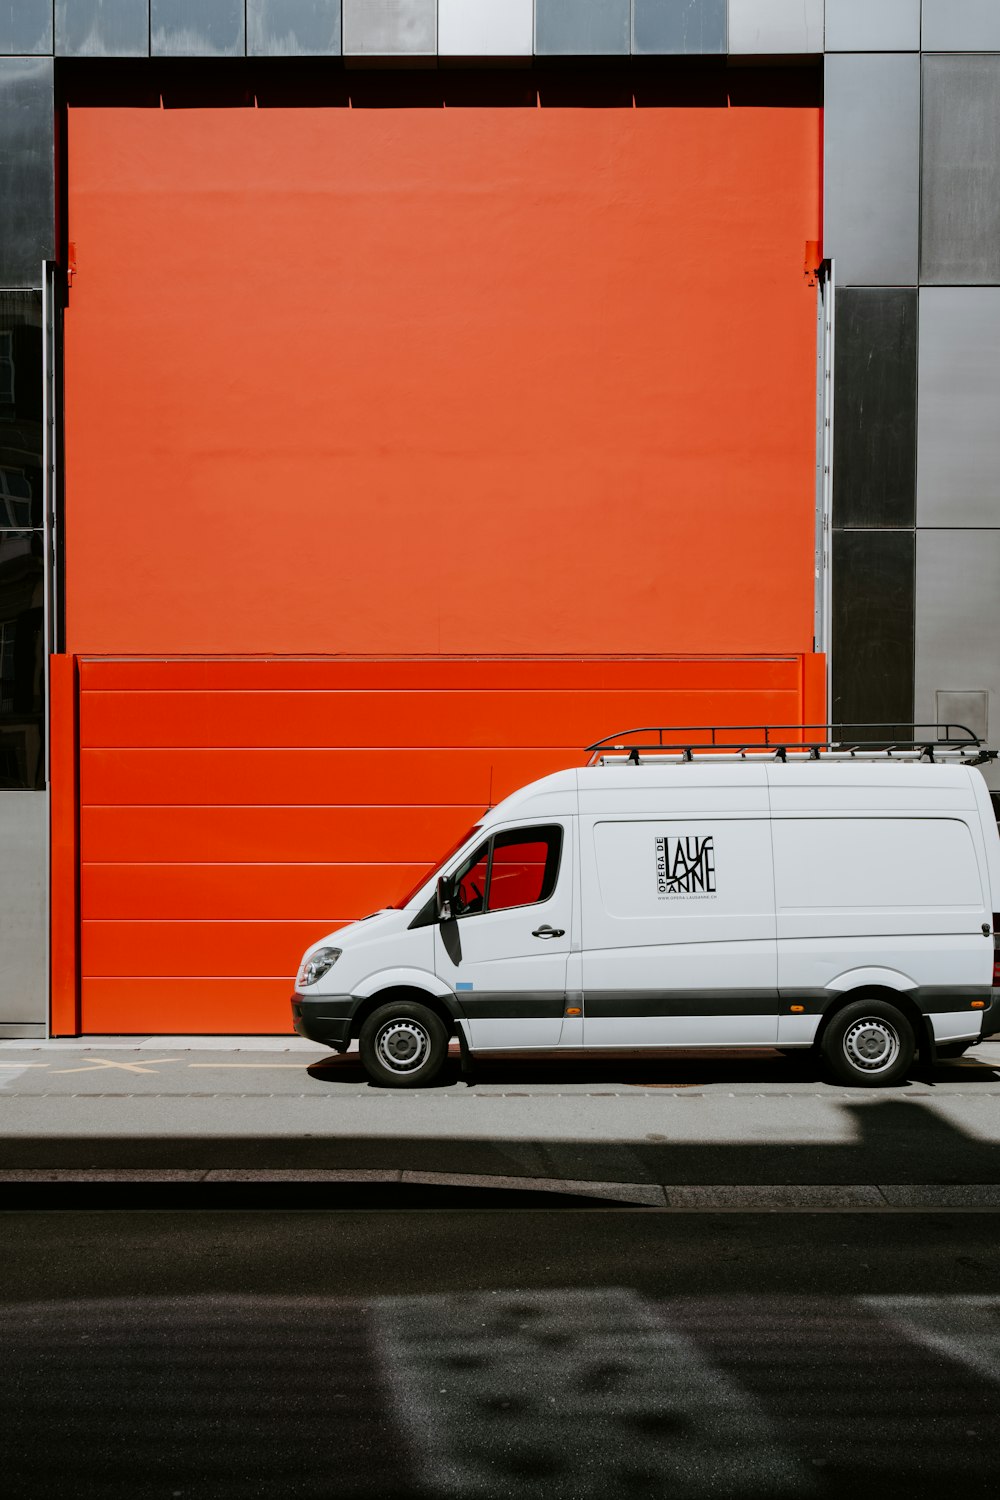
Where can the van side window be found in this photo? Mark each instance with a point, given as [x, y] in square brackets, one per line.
[524, 867]
[516, 868]
[471, 882]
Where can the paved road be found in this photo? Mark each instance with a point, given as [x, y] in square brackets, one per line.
[556, 1355]
[162, 1103]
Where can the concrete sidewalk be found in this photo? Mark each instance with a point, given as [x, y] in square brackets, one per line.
[280, 1104]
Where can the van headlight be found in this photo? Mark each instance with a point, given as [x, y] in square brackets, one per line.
[321, 962]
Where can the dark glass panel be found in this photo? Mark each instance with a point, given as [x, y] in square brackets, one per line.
[22, 660]
[875, 435]
[873, 613]
[27, 169]
[20, 410]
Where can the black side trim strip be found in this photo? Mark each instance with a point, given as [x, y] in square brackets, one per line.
[939, 998]
[498, 1005]
[617, 1003]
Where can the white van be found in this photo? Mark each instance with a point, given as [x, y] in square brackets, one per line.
[763, 896]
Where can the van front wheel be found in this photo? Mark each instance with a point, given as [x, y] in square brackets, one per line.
[403, 1045]
[869, 1043]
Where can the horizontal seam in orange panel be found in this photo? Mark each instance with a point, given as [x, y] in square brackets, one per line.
[549, 690]
[217, 748]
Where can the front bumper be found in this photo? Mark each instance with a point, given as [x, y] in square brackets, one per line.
[324, 1018]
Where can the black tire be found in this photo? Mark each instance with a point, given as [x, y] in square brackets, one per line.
[869, 1044]
[403, 1045]
[950, 1050]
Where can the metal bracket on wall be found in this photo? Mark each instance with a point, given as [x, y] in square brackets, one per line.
[813, 266]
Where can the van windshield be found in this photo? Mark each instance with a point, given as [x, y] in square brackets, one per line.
[399, 905]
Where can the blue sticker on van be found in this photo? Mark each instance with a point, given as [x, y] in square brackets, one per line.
[463, 986]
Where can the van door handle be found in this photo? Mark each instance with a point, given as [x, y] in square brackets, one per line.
[546, 931]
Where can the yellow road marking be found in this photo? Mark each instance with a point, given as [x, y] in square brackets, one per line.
[248, 1065]
[23, 1065]
[103, 1062]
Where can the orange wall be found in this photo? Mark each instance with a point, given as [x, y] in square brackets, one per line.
[232, 812]
[482, 379]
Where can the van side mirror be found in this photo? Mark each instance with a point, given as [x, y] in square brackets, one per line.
[445, 897]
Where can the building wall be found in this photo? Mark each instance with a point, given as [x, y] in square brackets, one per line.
[488, 436]
[913, 228]
[393, 376]
[911, 202]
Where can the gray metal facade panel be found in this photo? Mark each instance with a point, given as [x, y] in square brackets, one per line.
[961, 25]
[871, 627]
[678, 27]
[775, 27]
[958, 583]
[27, 169]
[25, 28]
[390, 28]
[102, 28]
[24, 871]
[875, 432]
[872, 175]
[582, 28]
[873, 25]
[960, 222]
[958, 431]
[293, 28]
[197, 28]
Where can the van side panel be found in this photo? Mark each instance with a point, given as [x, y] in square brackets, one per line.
[873, 877]
[678, 917]
[881, 879]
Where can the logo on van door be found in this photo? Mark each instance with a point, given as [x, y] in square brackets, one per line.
[685, 866]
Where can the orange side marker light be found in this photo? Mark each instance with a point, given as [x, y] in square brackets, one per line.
[796, 1010]
[574, 1010]
[979, 1005]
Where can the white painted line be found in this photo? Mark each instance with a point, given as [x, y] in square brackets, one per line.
[95, 1064]
[964, 1329]
[528, 1393]
[650, 1195]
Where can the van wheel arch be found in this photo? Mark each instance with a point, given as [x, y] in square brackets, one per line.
[410, 996]
[920, 1023]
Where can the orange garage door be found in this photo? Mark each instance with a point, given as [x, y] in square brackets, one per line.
[234, 810]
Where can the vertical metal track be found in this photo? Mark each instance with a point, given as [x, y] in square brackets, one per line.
[826, 333]
[50, 578]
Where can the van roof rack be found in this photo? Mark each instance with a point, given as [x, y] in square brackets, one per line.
[795, 742]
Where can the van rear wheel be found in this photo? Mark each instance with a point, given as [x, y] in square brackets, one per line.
[869, 1043]
[403, 1045]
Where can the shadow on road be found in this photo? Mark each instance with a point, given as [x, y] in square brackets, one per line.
[893, 1140]
[674, 1071]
